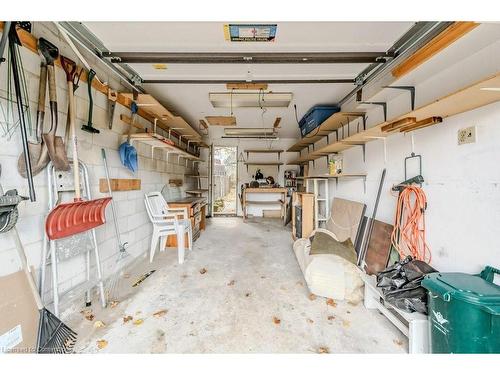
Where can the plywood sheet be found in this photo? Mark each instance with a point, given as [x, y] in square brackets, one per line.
[377, 252]
[345, 218]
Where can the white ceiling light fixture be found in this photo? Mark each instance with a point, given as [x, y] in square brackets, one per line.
[250, 99]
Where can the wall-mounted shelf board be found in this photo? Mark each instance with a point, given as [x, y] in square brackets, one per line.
[332, 123]
[263, 151]
[196, 191]
[263, 163]
[195, 176]
[156, 110]
[328, 176]
[463, 100]
[158, 141]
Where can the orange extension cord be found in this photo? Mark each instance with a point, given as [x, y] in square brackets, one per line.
[408, 236]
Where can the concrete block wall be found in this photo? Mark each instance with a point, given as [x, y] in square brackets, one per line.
[132, 218]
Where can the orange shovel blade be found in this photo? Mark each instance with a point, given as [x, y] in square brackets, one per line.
[68, 219]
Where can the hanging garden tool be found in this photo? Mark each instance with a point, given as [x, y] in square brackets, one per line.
[67, 219]
[8, 208]
[112, 97]
[39, 155]
[3, 41]
[54, 144]
[123, 255]
[128, 153]
[89, 127]
[16, 64]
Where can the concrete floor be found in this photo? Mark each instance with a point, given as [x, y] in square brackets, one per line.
[251, 299]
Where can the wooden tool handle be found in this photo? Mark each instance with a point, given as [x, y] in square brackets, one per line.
[42, 88]
[71, 114]
[52, 83]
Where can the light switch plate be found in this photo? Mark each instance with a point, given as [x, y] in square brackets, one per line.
[467, 135]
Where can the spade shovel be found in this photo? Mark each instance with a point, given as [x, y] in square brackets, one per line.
[38, 152]
[55, 145]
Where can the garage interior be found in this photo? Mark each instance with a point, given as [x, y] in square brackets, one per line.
[242, 187]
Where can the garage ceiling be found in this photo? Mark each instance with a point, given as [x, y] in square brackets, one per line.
[191, 100]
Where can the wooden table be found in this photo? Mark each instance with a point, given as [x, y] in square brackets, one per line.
[282, 202]
[196, 208]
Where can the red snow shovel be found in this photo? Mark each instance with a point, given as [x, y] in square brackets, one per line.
[67, 219]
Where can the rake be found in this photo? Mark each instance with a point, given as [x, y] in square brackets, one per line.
[113, 286]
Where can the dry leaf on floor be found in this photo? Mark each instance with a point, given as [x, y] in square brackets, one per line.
[138, 322]
[330, 317]
[203, 271]
[312, 296]
[346, 323]
[247, 294]
[127, 318]
[101, 344]
[323, 350]
[160, 313]
[276, 320]
[262, 277]
[184, 276]
[99, 324]
[113, 304]
[89, 317]
[348, 312]
[231, 283]
[331, 302]
[398, 342]
[310, 321]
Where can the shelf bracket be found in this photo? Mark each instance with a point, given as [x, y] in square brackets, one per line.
[381, 104]
[411, 89]
[154, 125]
[169, 133]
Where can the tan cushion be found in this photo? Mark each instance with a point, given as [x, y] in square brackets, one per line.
[322, 243]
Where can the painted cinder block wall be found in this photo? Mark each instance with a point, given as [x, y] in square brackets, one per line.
[132, 217]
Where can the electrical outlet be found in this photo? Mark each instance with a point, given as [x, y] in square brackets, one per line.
[467, 135]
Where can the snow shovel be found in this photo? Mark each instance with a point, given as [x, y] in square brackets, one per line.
[55, 145]
[39, 155]
[128, 153]
[67, 219]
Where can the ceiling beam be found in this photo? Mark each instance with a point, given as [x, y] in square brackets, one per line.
[249, 58]
[267, 81]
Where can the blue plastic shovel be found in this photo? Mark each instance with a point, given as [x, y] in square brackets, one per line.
[128, 153]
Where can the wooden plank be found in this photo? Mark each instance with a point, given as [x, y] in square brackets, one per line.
[377, 253]
[399, 124]
[266, 190]
[277, 123]
[204, 124]
[221, 120]
[120, 184]
[128, 120]
[436, 45]
[262, 163]
[263, 151]
[246, 86]
[332, 123]
[422, 124]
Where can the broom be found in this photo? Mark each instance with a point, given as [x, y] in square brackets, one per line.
[121, 261]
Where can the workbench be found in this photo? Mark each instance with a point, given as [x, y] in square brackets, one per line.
[267, 191]
[196, 208]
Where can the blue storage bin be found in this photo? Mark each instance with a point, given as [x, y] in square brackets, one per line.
[315, 117]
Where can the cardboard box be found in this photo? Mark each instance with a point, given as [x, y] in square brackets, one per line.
[18, 315]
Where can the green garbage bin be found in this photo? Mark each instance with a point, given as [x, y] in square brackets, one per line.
[464, 312]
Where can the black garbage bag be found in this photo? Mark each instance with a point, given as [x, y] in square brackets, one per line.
[400, 284]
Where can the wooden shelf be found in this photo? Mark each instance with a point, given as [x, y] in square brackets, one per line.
[156, 110]
[263, 163]
[332, 123]
[343, 175]
[195, 176]
[196, 191]
[463, 100]
[263, 151]
[158, 141]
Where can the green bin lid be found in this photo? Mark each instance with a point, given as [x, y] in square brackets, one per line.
[469, 288]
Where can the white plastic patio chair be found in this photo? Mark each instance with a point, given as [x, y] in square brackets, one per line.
[166, 221]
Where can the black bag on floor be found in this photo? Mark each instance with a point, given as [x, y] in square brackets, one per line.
[400, 284]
